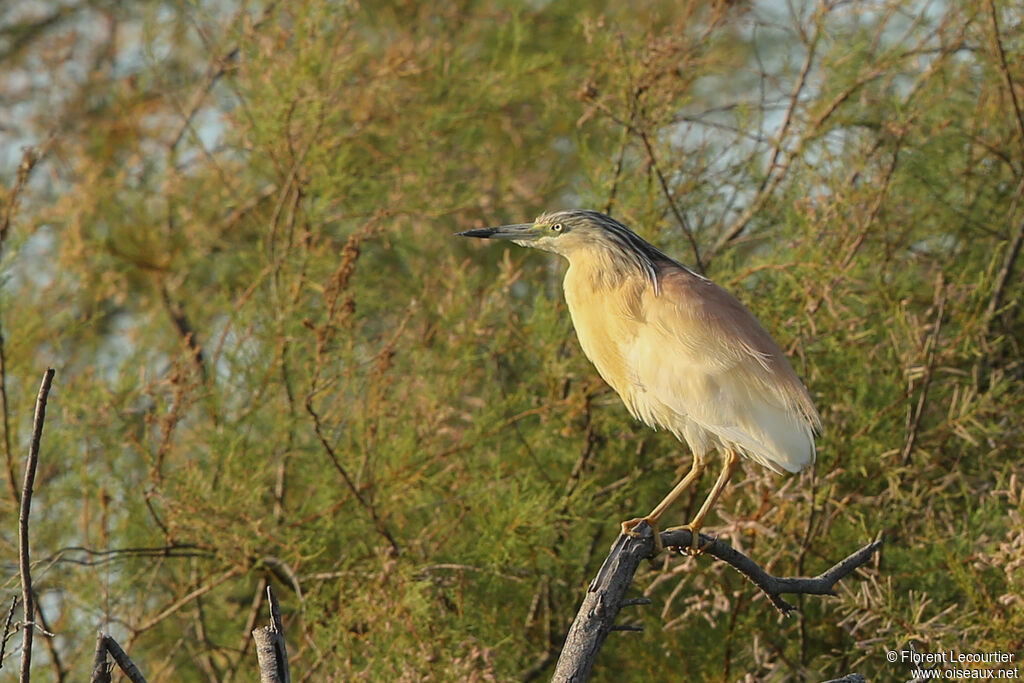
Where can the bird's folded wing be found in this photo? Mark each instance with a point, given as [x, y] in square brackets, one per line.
[699, 354]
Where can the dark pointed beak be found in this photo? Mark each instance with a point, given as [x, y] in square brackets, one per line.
[520, 232]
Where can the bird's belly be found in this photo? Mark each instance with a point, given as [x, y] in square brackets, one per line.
[613, 360]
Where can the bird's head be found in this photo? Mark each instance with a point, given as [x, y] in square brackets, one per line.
[561, 232]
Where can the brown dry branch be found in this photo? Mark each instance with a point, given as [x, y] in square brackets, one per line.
[667, 192]
[271, 651]
[186, 599]
[930, 345]
[60, 673]
[204, 657]
[189, 336]
[1004, 68]
[12, 477]
[29, 159]
[378, 523]
[24, 561]
[7, 629]
[606, 595]
[777, 169]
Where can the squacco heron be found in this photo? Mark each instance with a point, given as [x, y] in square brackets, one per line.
[681, 352]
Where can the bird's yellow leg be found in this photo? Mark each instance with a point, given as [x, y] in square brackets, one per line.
[698, 521]
[696, 469]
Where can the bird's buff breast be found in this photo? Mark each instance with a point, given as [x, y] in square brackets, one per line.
[606, 318]
[609, 319]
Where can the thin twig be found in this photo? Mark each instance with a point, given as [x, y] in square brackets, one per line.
[216, 69]
[204, 655]
[698, 261]
[29, 158]
[189, 597]
[250, 623]
[24, 562]
[630, 126]
[1005, 69]
[12, 474]
[616, 174]
[865, 225]
[1005, 275]
[378, 523]
[95, 558]
[7, 629]
[185, 330]
[914, 418]
[772, 179]
[43, 626]
[1006, 271]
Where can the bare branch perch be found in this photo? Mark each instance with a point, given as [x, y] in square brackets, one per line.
[24, 561]
[773, 586]
[605, 596]
[101, 672]
[607, 593]
[100, 667]
[270, 646]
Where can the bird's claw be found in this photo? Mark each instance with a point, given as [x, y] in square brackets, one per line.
[629, 525]
[694, 548]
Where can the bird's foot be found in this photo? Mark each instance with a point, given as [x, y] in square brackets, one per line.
[630, 524]
[695, 548]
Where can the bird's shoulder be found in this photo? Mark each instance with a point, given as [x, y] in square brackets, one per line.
[697, 296]
[691, 304]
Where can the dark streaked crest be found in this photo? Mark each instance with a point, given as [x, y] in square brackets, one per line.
[635, 248]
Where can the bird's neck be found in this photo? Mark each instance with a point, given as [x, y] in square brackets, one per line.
[602, 270]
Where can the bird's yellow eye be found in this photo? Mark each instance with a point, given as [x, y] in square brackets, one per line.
[557, 227]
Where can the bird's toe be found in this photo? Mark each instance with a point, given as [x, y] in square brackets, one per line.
[694, 548]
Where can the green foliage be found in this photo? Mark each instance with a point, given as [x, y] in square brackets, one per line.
[276, 365]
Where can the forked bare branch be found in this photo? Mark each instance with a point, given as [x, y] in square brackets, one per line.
[607, 593]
